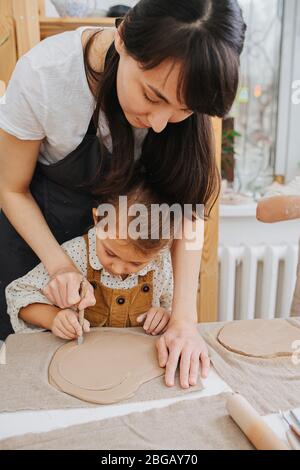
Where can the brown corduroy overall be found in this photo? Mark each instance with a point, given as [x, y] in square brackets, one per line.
[118, 308]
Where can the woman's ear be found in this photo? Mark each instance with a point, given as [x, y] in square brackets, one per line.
[119, 43]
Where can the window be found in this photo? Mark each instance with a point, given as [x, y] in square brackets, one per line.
[255, 111]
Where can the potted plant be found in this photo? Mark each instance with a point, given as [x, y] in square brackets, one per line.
[229, 134]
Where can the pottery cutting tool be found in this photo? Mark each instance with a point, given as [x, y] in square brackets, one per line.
[296, 416]
[292, 435]
[82, 293]
[295, 429]
[292, 440]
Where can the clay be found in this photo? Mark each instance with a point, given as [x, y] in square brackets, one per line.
[259, 338]
[108, 367]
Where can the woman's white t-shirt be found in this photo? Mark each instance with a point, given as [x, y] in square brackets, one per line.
[48, 97]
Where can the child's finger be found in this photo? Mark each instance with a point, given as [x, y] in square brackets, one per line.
[64, 331]
[60, 331]
[142, 317]
[150, 315]
[59, 334]
[86, 326]
[67, 325]
[156, 321]
[73, 320]
[161, 326]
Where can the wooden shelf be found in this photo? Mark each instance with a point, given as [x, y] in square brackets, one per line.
[51, 26]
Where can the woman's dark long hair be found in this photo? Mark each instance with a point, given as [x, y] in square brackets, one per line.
[207, 37]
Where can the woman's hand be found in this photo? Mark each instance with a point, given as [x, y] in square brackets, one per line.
[182, 342]
[66, 325]
[63, 290]
[155, 320]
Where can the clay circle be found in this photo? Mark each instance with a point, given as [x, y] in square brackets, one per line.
[259, 338]
[109, 366]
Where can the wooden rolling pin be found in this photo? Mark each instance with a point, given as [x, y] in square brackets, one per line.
[252, 425]
[278, 209]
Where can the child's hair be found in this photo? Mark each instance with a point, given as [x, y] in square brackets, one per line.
[154, 233]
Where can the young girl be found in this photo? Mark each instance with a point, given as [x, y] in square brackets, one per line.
[132, 280]
[81, 107]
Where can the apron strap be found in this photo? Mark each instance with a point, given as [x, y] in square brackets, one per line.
[92, 128]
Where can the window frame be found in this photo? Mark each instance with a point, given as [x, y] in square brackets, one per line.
[287, 158]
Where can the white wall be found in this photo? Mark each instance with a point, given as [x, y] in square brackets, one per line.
[105, 4]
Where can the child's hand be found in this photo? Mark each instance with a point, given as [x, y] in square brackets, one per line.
[66, 325]
[155, 320]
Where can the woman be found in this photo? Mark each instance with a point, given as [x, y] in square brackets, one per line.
[149, 87]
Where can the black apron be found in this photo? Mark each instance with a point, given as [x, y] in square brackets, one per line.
[64, 195]
[66, 206]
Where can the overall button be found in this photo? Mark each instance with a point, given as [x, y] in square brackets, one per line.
[146, 288]
[120, 300]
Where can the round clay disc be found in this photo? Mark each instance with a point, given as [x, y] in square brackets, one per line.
[96, 372]
[107, 367]
[259, 338]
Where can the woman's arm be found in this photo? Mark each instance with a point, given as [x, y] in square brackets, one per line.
[17, 164]
[181, 343]
[186, 259]
[278, 209]
[186, 268]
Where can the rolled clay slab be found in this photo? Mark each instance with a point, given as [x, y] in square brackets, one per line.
[259, 338]
[108, 367]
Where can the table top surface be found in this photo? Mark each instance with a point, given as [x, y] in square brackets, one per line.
[22, 422]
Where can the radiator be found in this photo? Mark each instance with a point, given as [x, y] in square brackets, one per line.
[256, 281]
